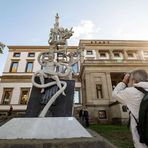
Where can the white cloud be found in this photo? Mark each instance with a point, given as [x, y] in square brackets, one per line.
[85, 30]
[135, 33]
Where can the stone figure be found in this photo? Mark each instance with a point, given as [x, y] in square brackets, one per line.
[49, 71]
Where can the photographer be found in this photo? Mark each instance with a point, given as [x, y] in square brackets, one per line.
[126, 93]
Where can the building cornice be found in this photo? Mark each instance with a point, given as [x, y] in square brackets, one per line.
[34, 47]
[16, 78]
[27, 47]
[130, 43]
[112, 63]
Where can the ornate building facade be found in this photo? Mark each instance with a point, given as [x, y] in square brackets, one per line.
[102, 65]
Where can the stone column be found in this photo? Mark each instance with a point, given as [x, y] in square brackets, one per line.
[140, 56]
[88, 87]
[109, 84]
[111, 54]
[97, 54]
[125, 54]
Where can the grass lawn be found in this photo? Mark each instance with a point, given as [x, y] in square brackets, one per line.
[119, 135]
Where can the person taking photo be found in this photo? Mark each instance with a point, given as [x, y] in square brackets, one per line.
[126, 93]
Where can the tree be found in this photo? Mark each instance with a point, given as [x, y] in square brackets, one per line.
[1, 47]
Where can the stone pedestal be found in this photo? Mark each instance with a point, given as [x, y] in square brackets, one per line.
[43, 128]
[61, 132]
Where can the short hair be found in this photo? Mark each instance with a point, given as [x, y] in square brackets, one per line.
[139, 75]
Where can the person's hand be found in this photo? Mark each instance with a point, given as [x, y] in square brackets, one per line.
[126, 78]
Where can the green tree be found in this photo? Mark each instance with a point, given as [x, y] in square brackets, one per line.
[1, 47]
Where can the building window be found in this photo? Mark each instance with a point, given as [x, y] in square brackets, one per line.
[130, 55]
[60, 57]
[75, 68]
[102, 54]
[60, 54]
[89, 52]
[117, 55]
[16, 54]
[24, 95]
[145, 53]
[99, 91]
[31, 54]
[124, 108]
[77, 96]
[29, 67]
[7, 94]
[102, 114]
[14, 66]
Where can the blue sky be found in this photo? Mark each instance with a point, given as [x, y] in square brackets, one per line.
[27, 22]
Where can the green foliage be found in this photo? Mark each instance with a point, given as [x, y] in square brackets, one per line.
[119, 135]
[1, 47]
[1, 51]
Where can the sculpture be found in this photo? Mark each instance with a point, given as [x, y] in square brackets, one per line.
[52, 67]
[58, 35]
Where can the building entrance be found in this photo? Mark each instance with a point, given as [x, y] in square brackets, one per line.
[116, 77]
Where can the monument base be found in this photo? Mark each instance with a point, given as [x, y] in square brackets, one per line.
[43, 128]
[55, 132]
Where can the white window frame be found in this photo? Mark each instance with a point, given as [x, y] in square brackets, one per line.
[93, 55]
[145, 55]
[120, 55]
[106, 55]
[79, 95]
[134, 55]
